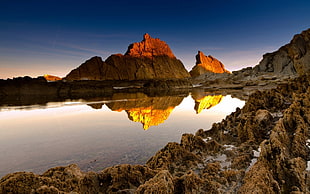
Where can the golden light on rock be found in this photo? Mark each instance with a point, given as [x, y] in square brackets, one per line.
[51, 77]
[207, 102]
[207, 64]
[149, 116]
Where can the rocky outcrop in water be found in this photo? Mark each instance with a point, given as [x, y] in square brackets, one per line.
[149, 59]
[207, 64]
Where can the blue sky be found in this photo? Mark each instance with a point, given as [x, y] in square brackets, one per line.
[53, 37]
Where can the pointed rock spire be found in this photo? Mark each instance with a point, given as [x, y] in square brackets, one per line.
[205, 64]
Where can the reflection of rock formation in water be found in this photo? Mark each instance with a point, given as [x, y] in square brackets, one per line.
[204, 100]
[149, 116]
[149, 111]
[207, 102]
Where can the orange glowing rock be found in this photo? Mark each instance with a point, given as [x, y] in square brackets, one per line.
[207, 102]
[149, 116]
[51, 77]
[205, 64]
[149, 47]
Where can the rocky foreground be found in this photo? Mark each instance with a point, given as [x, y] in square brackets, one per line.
[262, 148]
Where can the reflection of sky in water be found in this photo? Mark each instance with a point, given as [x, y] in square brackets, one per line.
[35, 140]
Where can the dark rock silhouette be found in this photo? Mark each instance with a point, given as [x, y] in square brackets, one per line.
[149, 59]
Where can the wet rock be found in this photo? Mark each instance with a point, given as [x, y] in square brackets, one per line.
[57, 179]
[192, 183]
[282, 162]
[124, 178]
[173, 157]
[160, 183]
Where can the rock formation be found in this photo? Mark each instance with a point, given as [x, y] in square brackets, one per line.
[149, 47]
[51, 77]
[149, 59]
[207, 64]
[92, 69]
[289, 59]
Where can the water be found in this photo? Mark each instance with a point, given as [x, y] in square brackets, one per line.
[127, 128]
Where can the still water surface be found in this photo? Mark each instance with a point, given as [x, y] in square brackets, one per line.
[128, 128]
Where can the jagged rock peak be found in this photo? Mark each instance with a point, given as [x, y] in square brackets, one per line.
[149, 47]
[207, 64]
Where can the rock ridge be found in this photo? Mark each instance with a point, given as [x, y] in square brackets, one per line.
[292, 58]
[149, 59]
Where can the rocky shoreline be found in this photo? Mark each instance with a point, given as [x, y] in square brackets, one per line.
[263, 147]
[26, 91]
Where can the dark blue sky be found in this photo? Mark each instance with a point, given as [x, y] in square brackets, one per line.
[53, 37]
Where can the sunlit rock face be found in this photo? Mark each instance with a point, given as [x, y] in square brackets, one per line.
[149, 59]
[207, 102]
[149, 47]
[207, 64]
[51, 77]
[150, 111]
